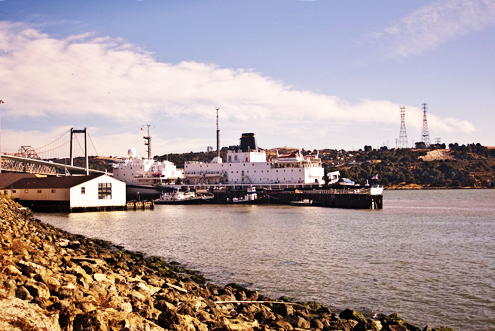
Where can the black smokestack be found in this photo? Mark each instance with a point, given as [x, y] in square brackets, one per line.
[248, 142]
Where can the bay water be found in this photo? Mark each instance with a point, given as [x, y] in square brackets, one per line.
[429, 255]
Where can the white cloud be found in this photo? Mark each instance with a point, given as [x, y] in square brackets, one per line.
[432, 25]
[115, 86]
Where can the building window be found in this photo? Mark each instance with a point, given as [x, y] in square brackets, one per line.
[26, 191]
[39, 191]
[83, 190]
[104, 190]
[13, 191]
[53, 191]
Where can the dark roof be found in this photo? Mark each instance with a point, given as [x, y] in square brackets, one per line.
[52, 182]
[8, 178]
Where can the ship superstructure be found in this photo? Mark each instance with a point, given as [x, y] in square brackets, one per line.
[146, 173]
[250, 165]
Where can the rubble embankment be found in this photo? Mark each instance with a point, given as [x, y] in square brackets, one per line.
[53, 280]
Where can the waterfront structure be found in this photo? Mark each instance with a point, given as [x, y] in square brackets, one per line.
[9, 178]
[71, 193]
[250, 165]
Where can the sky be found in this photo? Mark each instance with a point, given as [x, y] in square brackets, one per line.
[306, 74]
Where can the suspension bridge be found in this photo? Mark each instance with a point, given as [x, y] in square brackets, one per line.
[51, 159]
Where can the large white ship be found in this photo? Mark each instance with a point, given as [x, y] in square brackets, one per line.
[144, 175]
[250, 166]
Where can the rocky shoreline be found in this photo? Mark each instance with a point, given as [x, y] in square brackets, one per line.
[54, 280]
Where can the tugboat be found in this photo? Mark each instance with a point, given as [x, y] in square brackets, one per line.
[251, 197]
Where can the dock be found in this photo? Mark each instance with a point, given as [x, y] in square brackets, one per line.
[345, 197]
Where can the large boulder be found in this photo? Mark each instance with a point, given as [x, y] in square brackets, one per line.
[17, 314]
[350, 314]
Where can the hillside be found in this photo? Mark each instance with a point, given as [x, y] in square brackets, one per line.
[470, 166]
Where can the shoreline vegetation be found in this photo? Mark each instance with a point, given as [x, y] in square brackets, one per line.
[53, 280]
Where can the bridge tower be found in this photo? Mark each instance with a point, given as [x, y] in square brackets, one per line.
[403, 133]
[425, 135]
[72, 131]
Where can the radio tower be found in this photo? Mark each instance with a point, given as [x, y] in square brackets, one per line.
[403, 134]
[425, 134]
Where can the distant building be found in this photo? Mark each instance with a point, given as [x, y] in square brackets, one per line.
[72, 193]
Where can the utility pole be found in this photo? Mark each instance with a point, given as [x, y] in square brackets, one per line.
[1, 101]
[147, 140]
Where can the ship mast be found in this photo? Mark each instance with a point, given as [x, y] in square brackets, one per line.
[218, 138]
[147, 141]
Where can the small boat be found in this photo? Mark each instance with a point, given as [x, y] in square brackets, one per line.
[183, 197]
[304, 202]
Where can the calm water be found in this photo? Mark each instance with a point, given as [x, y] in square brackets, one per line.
[428, 255]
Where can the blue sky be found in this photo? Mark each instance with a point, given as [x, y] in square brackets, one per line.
[308, 74]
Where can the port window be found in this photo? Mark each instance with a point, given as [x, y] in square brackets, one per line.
[26, 191]
[104, 190]
[39, 191]
[54, 191]
[83, 190]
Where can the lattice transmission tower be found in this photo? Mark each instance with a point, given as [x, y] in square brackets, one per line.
[403, 133]
[425, 135]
